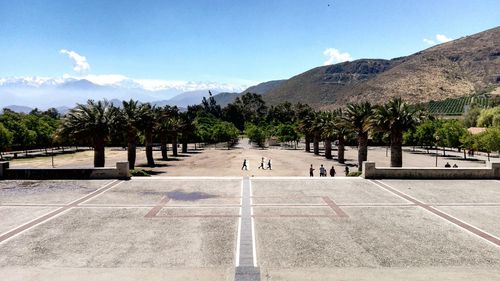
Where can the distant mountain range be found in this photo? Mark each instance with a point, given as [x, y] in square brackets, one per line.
[22, 93]
[453, 69]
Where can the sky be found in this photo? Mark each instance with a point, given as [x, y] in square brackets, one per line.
[224, 41]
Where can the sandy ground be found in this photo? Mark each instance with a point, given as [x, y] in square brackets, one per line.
[212, 161]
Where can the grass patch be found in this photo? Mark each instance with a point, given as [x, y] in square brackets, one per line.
[139, 173]
[354, 174]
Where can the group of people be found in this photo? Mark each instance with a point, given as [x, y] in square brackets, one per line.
[447, 165]
[322, 171]
[262, 165]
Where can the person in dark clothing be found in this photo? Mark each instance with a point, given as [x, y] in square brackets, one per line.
[245, 165]
[346, 171]
[269, 164]
[262, 164]
[447, 165]
[311, 171]
[322, 171]
[332, 172]
[455, 165]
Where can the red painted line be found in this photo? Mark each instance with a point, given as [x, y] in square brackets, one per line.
[156, 209]
[335, 207]
[54, 213]
[443, 215]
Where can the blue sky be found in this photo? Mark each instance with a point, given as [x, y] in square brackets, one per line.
[221, 40]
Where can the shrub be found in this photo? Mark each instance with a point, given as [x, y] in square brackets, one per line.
[354, 174]
[139, 173]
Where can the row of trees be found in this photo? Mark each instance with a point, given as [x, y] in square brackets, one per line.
[26, 131]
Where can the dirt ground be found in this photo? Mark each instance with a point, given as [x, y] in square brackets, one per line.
[220, 161]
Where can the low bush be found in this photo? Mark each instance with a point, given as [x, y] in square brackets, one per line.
[354, 174]
[139, 173]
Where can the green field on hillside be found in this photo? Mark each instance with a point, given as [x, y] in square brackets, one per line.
[458, 106]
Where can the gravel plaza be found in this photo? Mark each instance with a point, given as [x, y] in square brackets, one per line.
[250, 228]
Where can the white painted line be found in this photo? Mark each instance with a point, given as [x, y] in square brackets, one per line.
[254, 250]
[259, 178]
[439, 211]
[183, 178]
[238, 237]
[33, 225]
[48, 213]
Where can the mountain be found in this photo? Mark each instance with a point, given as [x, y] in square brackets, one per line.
[453, 69]
[264, 88]
[225, 98]
[18, 108]
[44, 93]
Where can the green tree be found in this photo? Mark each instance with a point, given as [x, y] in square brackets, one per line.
[489, 140]
[256, 134]
[91, 121]
[225, 132]
[471, 116]
[130, 119]
[287, 133]
[6, 138]
[449, 134]
[395, 117]
[147, 124]
[425, 133]
[489, 117]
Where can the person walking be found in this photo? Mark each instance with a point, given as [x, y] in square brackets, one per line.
[322, 171]
[244, 165]
[332, 172]
[447, 165]
[269, 164]
[346, 171]
[262, 164]
[311, 171]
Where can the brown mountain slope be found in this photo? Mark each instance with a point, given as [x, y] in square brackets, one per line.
[452, 69]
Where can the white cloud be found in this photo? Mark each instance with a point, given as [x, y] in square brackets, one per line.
[442, 38]
[80, 63]
[430, 42]
[335, 56]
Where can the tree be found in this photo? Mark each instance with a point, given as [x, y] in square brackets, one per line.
[256, 134]
[449, 134]
[306, 118]
[335, 129]
[147, 123]
[395, 117]
[358, 117]
[324, 119]
[287, 133]
[91, 121]
[489, 140]
[164, 115]
[489, 117]
[225, 132]
[252, 106]
[425, 133]
[471, 116]
[130, 119]
[211, 106]
[6, 138]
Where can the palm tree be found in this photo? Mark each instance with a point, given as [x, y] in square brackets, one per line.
[358, 117]
[131, 117]
[336, 129]
[175, 125]
[395, 117]
[326, 120]
[147, 124]
[163, 115]
[317, 128]
[91, 121]
[305, 115]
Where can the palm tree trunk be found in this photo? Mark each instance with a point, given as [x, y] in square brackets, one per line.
[316, 144]
[131, 149]
[174, 144]
[340, 152]
[328, 149]
[362, 149]
[163, 140]
[149, 147]
[308, 143]
[185, 146]
[99, 156]
[396, 150]
[131, 154]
